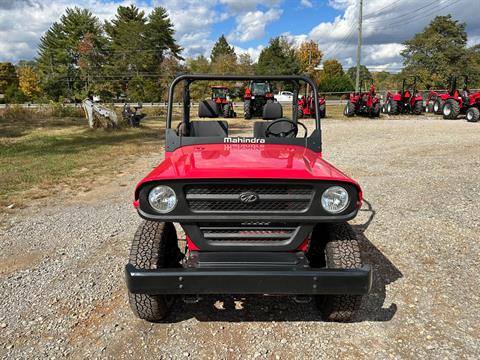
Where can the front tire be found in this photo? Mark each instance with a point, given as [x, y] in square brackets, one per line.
[154, 246]
[418, 108]
[376, 110]
[451, 109]
[473, 114]
[247, 114]
[438, 106]
[349, 109]
[336, 247]
[392, 107]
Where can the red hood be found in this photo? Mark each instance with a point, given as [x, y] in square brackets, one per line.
[245, 161]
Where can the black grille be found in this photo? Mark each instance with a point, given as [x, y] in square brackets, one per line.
[226, 198]
[242, 233]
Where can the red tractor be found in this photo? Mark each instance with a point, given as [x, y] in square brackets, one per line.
[224, 105]
[405, 101]
[463, 102]
[257, 94]
[306, 107]
[365, 103]
[435, 100]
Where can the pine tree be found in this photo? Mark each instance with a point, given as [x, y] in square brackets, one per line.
[59, 52]
[222, 50]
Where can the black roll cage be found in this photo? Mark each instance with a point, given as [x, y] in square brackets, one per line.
[174, 141]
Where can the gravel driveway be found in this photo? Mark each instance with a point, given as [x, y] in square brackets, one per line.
[63, 292]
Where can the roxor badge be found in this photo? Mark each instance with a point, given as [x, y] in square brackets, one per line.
[248, 197]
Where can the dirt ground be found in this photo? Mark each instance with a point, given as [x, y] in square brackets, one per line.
[62, 259]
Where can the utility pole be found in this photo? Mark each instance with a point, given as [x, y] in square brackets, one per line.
[359, 47]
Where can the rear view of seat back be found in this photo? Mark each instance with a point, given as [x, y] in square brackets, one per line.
[207, 109]
[272, 111]
[209, 128]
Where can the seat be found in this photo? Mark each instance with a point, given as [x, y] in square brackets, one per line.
[208, 109]
[209, 128]
[259, 128]
[272, 111]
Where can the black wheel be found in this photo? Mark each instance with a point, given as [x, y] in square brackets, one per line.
[349, 109]
[299, 112]
[376, 110]
[323, 111]
[335, 246]
[226, 110]
[429, 108]
[418, 108]
[451, 109]
[473, 114]
[154, 246]
[392, 107]
[438, 106]
[247, 114]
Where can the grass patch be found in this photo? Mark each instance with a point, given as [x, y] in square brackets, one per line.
[39, 154]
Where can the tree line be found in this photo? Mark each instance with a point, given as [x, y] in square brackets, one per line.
[135, 56]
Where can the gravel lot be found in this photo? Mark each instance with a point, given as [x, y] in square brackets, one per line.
[63, 292]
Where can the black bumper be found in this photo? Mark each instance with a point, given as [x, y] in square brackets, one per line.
[273, 281]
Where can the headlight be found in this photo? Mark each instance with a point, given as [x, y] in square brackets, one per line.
[162, 198]
[335, 199]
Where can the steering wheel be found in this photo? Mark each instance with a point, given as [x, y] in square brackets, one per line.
[289, 133]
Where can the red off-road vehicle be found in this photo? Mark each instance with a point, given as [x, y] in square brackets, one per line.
[405, 101]
[365, 103]
[263, 214]
[463, 102]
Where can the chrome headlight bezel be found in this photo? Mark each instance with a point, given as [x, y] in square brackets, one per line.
[168, 193]
[335, 193]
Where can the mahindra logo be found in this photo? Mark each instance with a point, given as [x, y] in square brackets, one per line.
[248, 197]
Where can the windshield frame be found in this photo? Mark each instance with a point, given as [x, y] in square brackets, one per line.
[174, 141]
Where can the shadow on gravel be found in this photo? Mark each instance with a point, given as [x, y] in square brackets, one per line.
[256, 308]
[384, 273]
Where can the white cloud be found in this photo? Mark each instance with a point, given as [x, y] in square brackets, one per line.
[254, 52]
[306, 3]
[251, 25]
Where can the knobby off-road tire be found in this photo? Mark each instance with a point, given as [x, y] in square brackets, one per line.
[438, 106]
[299, 112]
[418, 108]
[349, 109]
[247, 110]
[473, 114]
[339, 245]
[226, 111]
[376, 110]
[429, 108]
[392, 107]
[154, 246]
[451, 109]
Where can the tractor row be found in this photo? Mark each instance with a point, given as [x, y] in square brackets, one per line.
[452, 103]
[408, 100]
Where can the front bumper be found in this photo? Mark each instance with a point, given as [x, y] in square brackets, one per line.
[273, 276]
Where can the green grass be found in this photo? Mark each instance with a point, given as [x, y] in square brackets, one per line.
[38, 154]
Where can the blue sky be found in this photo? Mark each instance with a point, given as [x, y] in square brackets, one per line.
[249, 24]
